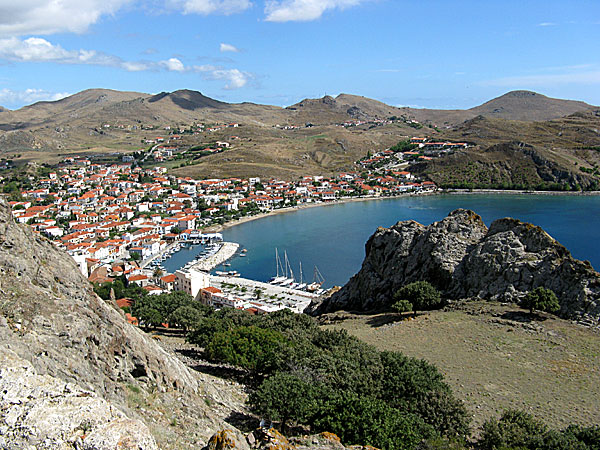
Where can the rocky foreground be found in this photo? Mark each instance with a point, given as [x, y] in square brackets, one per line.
[75, 375]
[465, 259]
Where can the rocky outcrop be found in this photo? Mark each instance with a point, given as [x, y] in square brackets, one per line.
[43, 411]
[463, 258]
[54, 325]
[271, 439]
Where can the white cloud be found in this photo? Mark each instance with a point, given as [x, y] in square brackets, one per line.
[228, 48]
[303, 10]
[21, 17]
[235, 78]
[10, 98]
[546, 24]
[36, 49]
[215, 6]
[173, 65]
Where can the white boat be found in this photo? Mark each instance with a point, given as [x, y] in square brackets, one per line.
[277, 280]
[318, 281]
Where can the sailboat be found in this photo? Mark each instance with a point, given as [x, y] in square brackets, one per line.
[279, 278]
[289, 274]
[300, 285]
[318, 281]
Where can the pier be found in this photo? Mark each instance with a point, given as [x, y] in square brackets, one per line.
[276, 297]
[226, 251]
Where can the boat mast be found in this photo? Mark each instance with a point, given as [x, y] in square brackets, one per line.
[291, 271]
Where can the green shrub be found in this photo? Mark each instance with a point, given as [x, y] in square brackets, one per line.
[421, 295]
[540, 299]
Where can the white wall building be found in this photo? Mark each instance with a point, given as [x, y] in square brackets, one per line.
[191, 281]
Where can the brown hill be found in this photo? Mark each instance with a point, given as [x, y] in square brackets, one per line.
[529, 106]
[328, 110]
[82, 105]
[77, 123]
[515, 105]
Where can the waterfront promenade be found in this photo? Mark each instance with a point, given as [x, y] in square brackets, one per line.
[264, 293]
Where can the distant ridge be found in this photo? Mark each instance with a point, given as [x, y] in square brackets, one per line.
[187, 99]
[104, 104]
[305, 138]
[529, 106]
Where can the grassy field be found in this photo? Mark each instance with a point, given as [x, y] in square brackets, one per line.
[495, 358]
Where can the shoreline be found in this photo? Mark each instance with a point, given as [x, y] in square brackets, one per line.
[289, 209]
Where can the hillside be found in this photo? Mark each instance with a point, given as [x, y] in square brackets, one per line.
[496, 358]
[274, 141]
[525, 106]
[529, 106]
[72, 365]
[495, 355]
[525, 155]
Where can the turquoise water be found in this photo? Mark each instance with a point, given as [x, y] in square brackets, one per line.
[333, 237]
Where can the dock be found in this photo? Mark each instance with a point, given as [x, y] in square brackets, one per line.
[227, 250]
[268, 294]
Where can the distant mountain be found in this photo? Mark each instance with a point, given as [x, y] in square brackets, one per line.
[529, 106]
[186, 99]
[341, 108]
[83, 105]
[2, 109]
[89, 107]
[515, 105]
[102, 120]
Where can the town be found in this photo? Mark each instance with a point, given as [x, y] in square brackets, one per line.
[121, 220]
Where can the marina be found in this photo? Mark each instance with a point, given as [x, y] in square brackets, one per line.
[264, 295]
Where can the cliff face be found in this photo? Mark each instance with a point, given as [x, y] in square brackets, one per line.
[463, 258]
[84, 362]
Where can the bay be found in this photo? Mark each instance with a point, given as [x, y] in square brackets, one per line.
[333, 237]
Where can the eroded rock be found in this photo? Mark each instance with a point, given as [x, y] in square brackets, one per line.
[465, 259]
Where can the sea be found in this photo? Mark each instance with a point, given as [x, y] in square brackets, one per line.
[332, 237]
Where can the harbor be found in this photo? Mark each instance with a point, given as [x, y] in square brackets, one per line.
[263, 296]
[224, 251]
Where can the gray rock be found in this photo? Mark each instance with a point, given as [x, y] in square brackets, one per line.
[40, 411]
[464, 259]
[52, 320]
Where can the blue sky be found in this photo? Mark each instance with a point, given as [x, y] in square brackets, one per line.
[425, 53]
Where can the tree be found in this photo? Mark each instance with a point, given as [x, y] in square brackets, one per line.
[421, 295]
[540, 299]
[251, 348]
[283, 397]
[185, 316]
[403, 146]
[515, 429]
[402, 306]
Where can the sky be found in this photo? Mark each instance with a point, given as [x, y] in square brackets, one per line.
[421, 53]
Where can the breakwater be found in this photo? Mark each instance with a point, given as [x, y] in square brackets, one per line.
[226, 251]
